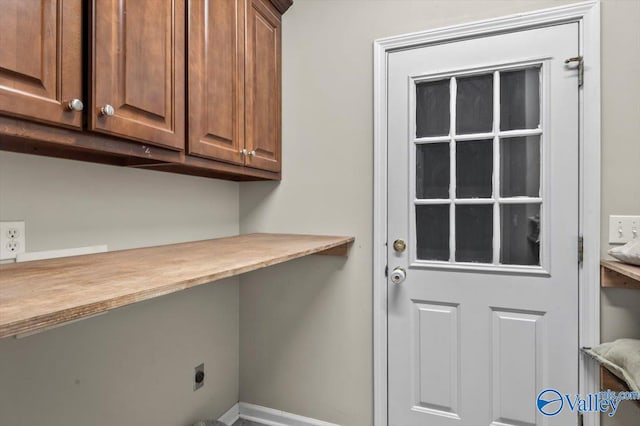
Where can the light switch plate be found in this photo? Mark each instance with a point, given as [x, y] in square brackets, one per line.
[623, 229]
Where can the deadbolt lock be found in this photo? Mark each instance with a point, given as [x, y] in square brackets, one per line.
[399, 246]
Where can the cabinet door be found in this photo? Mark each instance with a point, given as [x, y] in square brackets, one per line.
[40, 60]
[216, 79]
[263, 129]
[138, 69]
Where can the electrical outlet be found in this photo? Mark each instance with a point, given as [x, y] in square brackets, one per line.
[12, 239]
[623, 229]
[198, 378]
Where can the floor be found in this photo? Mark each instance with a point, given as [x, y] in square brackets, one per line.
[243, 422]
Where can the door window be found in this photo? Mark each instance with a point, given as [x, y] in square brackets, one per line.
[478, 142]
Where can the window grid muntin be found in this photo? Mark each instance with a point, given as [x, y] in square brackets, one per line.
[453, 167]
[473, 136]
[496, 134]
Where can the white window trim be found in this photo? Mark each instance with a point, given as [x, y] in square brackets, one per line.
[587, 15]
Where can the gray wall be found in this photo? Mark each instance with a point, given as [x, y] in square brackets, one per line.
[133, 365]
[621, 148]
[306, 338]
[620, 308]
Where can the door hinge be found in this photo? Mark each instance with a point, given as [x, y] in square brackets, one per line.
[580, 249]
[580, 61]
[386, 271]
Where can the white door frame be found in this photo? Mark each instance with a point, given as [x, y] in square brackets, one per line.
[587, 15]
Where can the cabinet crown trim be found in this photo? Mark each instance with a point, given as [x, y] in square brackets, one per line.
[282, 5]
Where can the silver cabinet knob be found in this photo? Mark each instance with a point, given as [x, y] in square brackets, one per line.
[252, 153]
[398, 275]
[75, 105]
[107, 110]
[243, 151]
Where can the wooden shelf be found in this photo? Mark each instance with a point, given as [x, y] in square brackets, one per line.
[46, 293]
[609, 381]
[619, 275]
[615, 274]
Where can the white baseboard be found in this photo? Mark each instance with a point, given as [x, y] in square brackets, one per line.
[231, 416]
[267, 416]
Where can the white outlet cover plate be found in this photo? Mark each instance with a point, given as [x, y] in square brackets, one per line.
[12, 234]
[623, 229]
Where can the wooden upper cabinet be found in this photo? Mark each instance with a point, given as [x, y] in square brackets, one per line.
[137, 69]
[199, 76]
[263, 86]
[41, 60]
[215, 72]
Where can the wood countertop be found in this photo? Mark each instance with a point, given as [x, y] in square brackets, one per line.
[46, 293]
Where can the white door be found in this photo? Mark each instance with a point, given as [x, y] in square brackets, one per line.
[483, 188]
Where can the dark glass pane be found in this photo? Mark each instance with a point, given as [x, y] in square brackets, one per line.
[474, 104]
[520, 167]
[520, 99]
[520, 234]
[432, 232]
[432, 108]
[474, 233]
[474, 169]
[432, 170]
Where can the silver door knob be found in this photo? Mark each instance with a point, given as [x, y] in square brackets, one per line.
[252, 153]
[75, 105]
[243, 151]
[398, 275]
[107, 110]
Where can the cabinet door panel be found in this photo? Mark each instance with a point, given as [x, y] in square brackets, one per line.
[40, 59]
[263, 82]
[138, 68]
[216, 79]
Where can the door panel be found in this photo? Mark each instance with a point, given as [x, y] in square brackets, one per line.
[517, 343]
[138, 68]
[41, 60]
[263, 82]
[216, 79]
[436, 322]
[483, 186]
